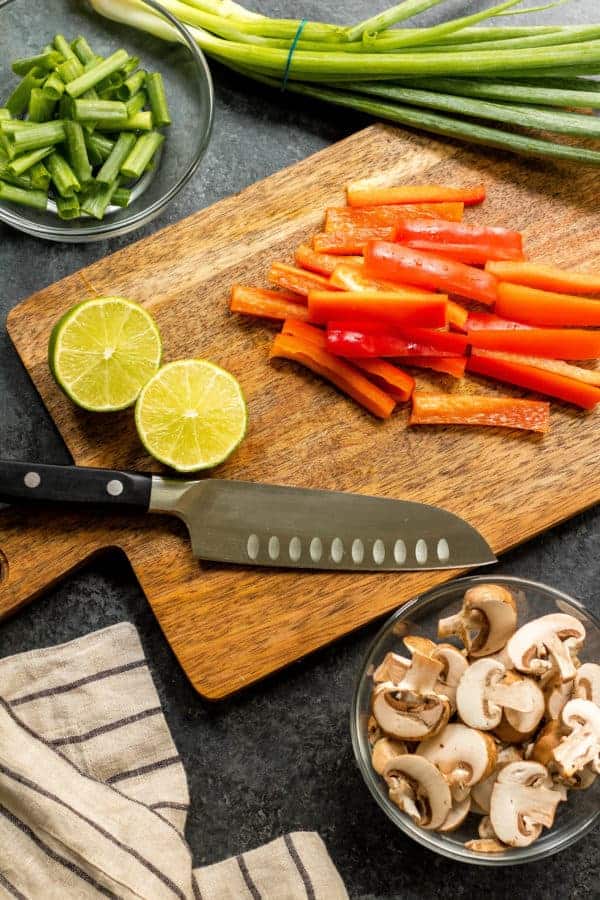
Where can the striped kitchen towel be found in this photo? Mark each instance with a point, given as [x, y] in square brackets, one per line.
[93, 794]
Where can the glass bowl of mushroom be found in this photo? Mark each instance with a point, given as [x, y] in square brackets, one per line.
[476, 720]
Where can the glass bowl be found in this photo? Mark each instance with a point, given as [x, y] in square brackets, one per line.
[27, 25]
[420, 616]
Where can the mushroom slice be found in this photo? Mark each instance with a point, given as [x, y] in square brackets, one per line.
[541, 645]
[463, 755]
[481, 793]
[556, 694]
[456, 816]
[581, 748]
[587, 683]
[392, 668]
[453, 663]
[485, 689]
[486, 845]
[374, 732]
[485, 829]
[411, 709]
[547, 741]
[419, 789]
[522, 803]
[518, 726]
[486, 621]
[384, 750]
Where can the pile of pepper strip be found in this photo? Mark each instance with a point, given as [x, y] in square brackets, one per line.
[396, 274]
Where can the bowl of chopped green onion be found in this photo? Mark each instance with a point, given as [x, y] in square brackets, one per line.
[101, 125]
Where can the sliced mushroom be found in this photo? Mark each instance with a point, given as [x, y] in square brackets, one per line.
[393, 668]
[486, 621]
[419, 789]
[463, 755]
[516, 726]
[456, 816]
[522, 803]
[486, 845]
[485, 829]
[411, 709]
[541, 645]
[481, 793]
[556, 694]
[547, 741]
[587, 683]
[374, 732]
[384, 750]
[580, 749]
[453, 664]
[486, 689]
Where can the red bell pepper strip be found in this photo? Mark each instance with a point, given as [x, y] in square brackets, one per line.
[394, 262]
[539, 380]
[266, 304]
[366, 339]
[578, 373]
[552, 343]
[323, 263]
[350, 241]
[545, 308]
[368, 193]
[456, 233]
[397, 383]
[298, 280]
[448, 365]
[469, 254]
[399, 310]
[486, 321]
[470, 409]
[546, 278]
[345, 376]
[339, 217]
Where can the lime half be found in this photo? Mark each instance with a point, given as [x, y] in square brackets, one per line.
[103, 351]
[191, 415]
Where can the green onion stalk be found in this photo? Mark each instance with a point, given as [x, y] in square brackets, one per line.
[489, 85]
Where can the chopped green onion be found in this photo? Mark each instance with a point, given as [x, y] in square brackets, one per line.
[48, 61]
[22, 181]
[111, 168]
[62, 45]
[63, 177]
[131, 85]
[22, 163]
[54, 86]
[82, 50]
[121, 197]
[142, 154]
[68, 207]
[97, 202]
[136, 104]
[37, 135]
[77, 152]
[13, 194]
[70, 69]
[41, 105]
[91, 78]
[107, 112]
[4, 113]
[19, 99]
[99, 147]
[130, 66]
[141, 121]
[158, 99]
[40, 177]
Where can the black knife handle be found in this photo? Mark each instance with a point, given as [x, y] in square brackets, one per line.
[73, 484]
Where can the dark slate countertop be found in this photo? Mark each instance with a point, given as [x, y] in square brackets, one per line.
[277, 757]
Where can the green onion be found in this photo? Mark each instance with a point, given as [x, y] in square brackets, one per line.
[22, 181]
[19, 99]
[47, 61]
[120, 152]
[41, 105]
[142, 154]
[141, 121]
[63, 177]
[97, 202]
[158, 99]
[82, 50]
[68, 207]
[131, 85]
[91, 78]
[109, 112]
[62, 45]
[130, 66]
[54, 86]
[40, 177]
[136, 104]
[515, 93]
[121, 197]
[77, 152]
[24, 162]
[35, 136]
[68, 70]
[99, 147]
[13, 194]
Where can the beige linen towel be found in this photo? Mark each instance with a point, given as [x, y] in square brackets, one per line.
[94, 798]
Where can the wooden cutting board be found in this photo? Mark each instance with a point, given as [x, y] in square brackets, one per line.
[230, 626]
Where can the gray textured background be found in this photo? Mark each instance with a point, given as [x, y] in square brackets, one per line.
[278, 757]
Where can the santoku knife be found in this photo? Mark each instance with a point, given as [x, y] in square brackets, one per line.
[268, 525]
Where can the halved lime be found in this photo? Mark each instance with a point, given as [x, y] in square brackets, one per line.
[191, 415]
[103, 351]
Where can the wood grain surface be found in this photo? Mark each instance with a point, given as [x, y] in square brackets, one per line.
[230, 626]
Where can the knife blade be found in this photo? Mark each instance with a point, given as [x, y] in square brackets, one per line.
[269, 525]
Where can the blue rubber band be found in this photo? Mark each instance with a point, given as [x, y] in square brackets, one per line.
[288, 64]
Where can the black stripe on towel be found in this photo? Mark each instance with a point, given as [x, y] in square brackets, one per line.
[55, 857]
[65, 688]
[256, 895]
[10, 888]
[302, 871]
[104, 729]
[144, 770]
